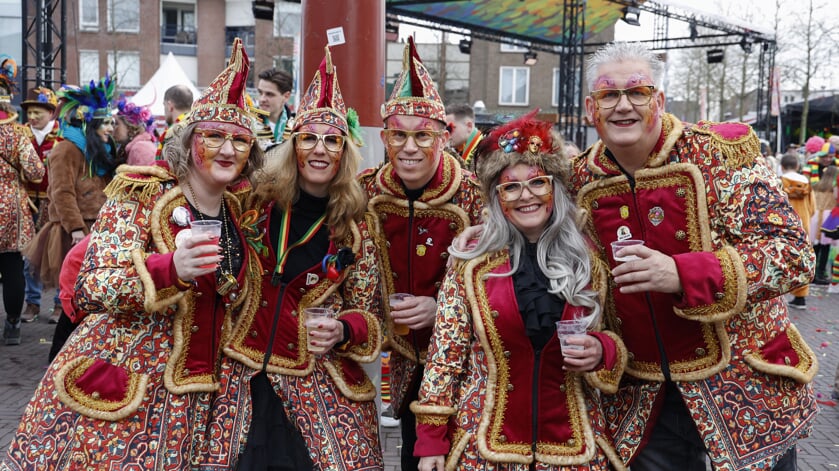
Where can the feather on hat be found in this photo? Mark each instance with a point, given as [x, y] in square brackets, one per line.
[40, 96]
[523, 140]
[88, 102]
[323, 102]
[8, 73]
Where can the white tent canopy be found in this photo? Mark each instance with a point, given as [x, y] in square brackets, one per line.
[170, 73]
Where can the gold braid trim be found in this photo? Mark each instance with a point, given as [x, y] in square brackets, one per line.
[136, 181]
[155, 300]
[803, 372]
[607, 380]
[459, 443]
[363, 392]
[608, 449]
[369, 351]
[90, 405]
[733, 300]
[737, 151]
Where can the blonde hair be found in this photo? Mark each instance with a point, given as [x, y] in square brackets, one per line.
[279, 181]
[827, 180]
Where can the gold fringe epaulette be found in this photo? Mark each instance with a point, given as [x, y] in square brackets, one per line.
[736, 141]
[140, 181]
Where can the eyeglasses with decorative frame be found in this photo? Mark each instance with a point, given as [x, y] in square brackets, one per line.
[537, 186]
[213, 138]
[609, 98]
[422, 137]
[309, 140]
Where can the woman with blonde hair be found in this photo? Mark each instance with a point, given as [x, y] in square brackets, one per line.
[310, 404]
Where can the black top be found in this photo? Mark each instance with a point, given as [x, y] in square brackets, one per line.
[304, 212]
[539, 309]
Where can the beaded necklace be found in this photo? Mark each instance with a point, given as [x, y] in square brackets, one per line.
[225, 280]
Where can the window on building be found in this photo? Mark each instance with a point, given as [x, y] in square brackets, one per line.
[89, 15]
[124, 16]
[514, 86]
[88, 66]
[125, 66]
[513, 48]
[286, 19]
[178, 23]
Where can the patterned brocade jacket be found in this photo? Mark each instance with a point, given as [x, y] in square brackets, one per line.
[128, 271]
[413, 238]
[704, 199]
[489, 397]
[355, 297]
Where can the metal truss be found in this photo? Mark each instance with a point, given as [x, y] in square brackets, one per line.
[44, 55]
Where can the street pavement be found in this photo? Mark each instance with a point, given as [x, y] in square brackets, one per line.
[22, 366]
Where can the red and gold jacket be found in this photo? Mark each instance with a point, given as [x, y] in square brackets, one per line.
[488, 396]
[39, 190]
[705, 200]
[147, 333]
[413, 238]
[355, 296]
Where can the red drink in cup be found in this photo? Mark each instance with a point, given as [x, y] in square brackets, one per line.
[203, 228]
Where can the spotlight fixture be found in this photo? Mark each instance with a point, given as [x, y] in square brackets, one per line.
[631, 15]
[465, 46]
[746, 45]
[263, 10]
[530, 58]
[715, 56]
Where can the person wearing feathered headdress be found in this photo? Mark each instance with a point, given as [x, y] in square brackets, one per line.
[8, 73]
[529, 268]
[42, 130]
[316, 251]
[156, 301]
[423, 199]
[19, 164]
[133, 132]
[80, 166]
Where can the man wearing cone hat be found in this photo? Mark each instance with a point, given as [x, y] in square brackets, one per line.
[422, 199]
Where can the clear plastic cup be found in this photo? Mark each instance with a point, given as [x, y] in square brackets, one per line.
[208, 227]
[620, 244]
[314, 317]
[566, 329]
[396, 298]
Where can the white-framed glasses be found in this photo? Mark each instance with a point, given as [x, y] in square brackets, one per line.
[537, 186]
[309, 140]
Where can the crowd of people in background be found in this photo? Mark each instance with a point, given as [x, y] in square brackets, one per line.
[458, 256]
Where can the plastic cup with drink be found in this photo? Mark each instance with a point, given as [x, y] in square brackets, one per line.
[206, 227]
[620, 244]
[314, 317]
[394, 299]
[569, 328]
